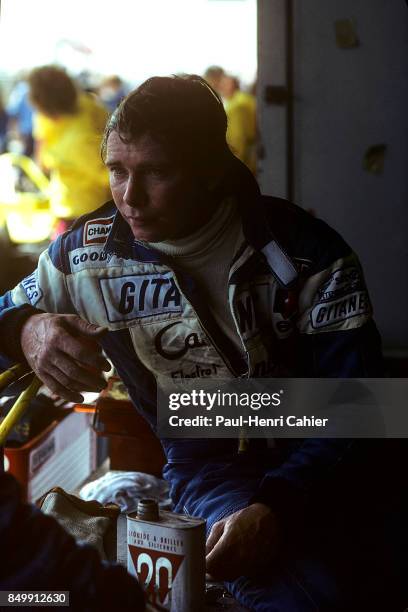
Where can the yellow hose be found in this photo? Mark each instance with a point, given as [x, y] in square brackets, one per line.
[19, 408]
[243, 442]
[11, 375]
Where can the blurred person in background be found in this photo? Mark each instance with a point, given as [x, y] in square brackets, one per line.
[67, 130]
[240, 107]
[88, 82]
[241, 114]
[112, 90]
[20, 112]
[213, 75]
[3, 126]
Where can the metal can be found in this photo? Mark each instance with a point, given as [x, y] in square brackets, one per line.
[166, 552]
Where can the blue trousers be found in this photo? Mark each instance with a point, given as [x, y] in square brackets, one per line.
[351, 560]
[346, 549]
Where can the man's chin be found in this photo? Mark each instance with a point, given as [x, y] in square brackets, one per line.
[148, 235]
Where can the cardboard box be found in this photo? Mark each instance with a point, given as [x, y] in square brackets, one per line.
[132, 444]
[63, 455]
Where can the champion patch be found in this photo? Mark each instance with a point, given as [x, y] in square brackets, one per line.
[96, 231]
[127, 298]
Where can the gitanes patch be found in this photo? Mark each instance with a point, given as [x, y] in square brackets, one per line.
[337, 311]
[343, 281]
[138, 296]
[96, 231]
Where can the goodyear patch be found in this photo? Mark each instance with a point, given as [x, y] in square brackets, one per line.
[94, 257]
[89, 257]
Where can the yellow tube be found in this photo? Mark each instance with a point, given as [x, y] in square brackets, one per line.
[19, 408]
[11, 375]
[243, 442]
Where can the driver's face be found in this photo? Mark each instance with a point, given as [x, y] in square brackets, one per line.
[155, 195]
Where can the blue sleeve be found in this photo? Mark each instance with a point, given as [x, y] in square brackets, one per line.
[12, 318]
[44, 290]
[353, 353]
[37, 554]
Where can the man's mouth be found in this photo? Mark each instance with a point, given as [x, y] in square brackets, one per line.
[138, 220]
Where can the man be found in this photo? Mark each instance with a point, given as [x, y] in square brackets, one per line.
[67, 129]
[214, 75]
[111, 91]
[188, 267]
[240, 107]
[20, 112]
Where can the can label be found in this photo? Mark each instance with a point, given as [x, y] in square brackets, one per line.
[168, 562]
[156, 570]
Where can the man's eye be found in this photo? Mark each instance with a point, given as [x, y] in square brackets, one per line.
[158, 172]
[117, 172]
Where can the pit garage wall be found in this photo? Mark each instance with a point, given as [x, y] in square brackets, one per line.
[345, 100]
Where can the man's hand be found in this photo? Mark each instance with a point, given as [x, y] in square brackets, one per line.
[239, 544]
[63, 351]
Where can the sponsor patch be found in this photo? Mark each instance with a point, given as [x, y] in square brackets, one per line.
[32, 289]
[198, 371]
[90, 257]
[164, 340]
[93, 257]
[127, 298]
[331, 313]
[341, 282]
[252, 308]
[96, 231]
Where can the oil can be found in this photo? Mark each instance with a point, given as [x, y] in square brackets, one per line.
[166, 552]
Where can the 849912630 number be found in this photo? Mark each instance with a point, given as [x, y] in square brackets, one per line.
[34, 598]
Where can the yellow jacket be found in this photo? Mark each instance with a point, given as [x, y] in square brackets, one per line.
[241, 132]
[69, 149]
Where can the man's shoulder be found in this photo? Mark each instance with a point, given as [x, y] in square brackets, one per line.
[88, 232]
[302, 235]
[94, 227]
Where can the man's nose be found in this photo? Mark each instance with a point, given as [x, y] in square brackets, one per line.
[135, 195]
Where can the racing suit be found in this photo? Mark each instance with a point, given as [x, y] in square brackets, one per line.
[301, 308]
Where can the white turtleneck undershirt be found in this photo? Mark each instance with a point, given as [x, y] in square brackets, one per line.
[206, 256]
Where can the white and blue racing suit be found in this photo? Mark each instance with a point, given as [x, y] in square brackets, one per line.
[301, 308]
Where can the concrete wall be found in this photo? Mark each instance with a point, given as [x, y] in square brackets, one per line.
[271, 120]
[347, 100]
